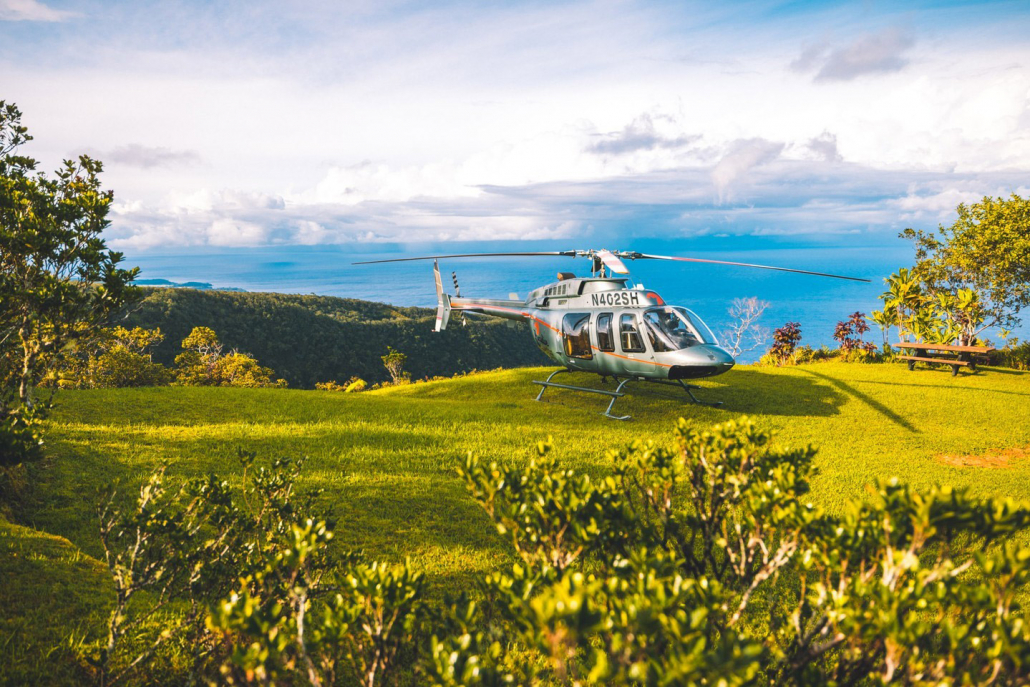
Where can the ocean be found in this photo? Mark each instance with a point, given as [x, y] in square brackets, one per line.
[817, 303]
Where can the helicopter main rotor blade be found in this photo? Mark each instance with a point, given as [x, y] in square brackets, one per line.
[568, 253]
[612, 262]
[644, 256]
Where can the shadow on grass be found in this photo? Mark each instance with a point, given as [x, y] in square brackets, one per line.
[759, 393]
[1000, 370]
[951, 387]
[740, 391]
[867, 399]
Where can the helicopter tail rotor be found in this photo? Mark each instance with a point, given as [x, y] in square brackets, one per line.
[457, 294]
[443, 307]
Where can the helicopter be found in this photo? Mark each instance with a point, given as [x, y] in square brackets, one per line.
[604, 323]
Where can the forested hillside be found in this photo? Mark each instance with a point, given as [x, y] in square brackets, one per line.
[310, 339]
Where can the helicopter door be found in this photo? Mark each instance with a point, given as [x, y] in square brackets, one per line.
[576, 338]
[636, 359]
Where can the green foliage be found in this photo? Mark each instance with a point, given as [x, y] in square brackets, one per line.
[785, 341]
[351, 386]
[21, 435]
[923, 311]
[731, 576]
[1017, 357]
[552, 516]
[392, 490]
[250, 567]
[311, 339]
[58, 280]
[394, 361]
[204, 364]
[112, 358]
[984, 254]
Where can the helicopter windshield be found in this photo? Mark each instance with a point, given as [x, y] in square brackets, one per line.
[673, 329]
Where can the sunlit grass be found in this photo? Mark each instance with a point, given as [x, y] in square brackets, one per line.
[386, 460]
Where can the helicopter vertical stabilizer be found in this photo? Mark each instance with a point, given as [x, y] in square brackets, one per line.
[443, 301]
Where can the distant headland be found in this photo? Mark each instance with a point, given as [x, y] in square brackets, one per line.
[203, 286]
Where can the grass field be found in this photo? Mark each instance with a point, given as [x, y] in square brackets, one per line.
[386, 460]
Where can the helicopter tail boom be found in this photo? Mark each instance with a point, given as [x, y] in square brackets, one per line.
[446, 304]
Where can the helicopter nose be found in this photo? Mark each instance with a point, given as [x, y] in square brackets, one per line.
[714, 355]
[722, 356]
[701, 361]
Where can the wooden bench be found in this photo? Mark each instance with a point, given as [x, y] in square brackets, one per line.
[944, 354]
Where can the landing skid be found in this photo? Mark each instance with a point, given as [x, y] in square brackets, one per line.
[618, 393]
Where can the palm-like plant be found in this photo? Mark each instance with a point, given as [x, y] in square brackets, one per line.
[903, 299]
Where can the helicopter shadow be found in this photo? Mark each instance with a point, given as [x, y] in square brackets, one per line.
[867, 399]
[739, 391]
[746, 391]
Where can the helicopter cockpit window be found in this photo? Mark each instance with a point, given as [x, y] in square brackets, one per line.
[629, 335]
[605, 342]
[576, 334]
[699, 326]
[673, 329]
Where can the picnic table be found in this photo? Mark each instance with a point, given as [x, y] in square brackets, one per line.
[944, 354]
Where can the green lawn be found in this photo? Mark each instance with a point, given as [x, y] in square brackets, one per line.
[387, 459]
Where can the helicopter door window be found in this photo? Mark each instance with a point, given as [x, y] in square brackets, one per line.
[605, 342]
[629, 334]
[576, 333]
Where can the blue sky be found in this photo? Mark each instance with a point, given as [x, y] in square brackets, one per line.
[260, 123]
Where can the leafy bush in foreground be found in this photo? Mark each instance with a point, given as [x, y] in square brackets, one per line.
[699, 564]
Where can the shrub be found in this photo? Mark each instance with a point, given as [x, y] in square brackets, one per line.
[849, 335]
[355, 385]
[249, 567]
[352, 385]
[21, 438]
[699, 563]
[785, 341]
[704, 565]
[203, 364]
[1017, 357]
[238, 369]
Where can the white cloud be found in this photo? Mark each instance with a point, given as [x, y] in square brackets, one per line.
[226, 232]
[824, 146]
[147, 157]
[742, 157]
[640, 134]
[30, 10]
[391, 122]
[872, 53]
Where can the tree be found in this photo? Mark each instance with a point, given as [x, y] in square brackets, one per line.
[394, 361]
[986, 251]
[203, 364]
[58, 280]
[745, 334]
[113, 358]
